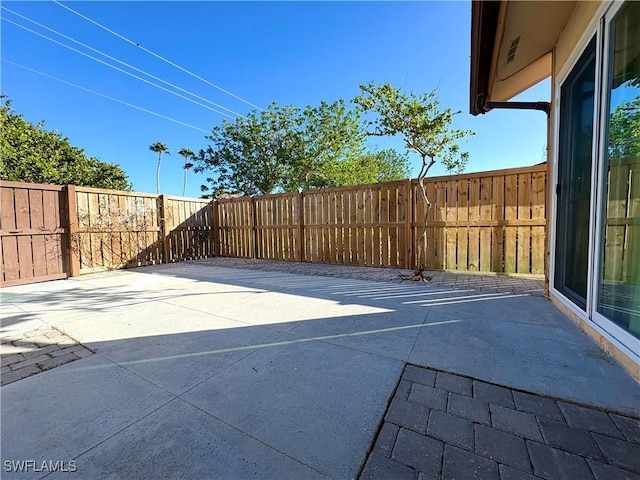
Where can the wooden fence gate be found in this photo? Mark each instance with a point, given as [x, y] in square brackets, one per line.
[33, 233]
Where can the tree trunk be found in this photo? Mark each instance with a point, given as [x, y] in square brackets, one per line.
[184, 183]
[158, 174]
[422, 240]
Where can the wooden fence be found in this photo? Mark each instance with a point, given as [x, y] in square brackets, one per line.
[117, 229]
[49, 232]
[34, 232]
[622, 228]
[485, 222]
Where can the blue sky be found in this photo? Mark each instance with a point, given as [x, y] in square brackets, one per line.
[294, 53]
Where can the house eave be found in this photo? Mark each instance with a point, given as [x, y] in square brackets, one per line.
[484, 21]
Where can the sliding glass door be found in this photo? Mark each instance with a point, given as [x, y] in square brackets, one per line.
[618, 281]
[575, 153]
[596, 245]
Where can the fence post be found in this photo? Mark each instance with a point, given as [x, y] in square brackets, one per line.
[254, 232]
[164, 235]
[300, 229]
[74, 241]
[214, 227]
[408, 242]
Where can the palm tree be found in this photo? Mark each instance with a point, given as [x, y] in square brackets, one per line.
[160, 148]
[187, 154]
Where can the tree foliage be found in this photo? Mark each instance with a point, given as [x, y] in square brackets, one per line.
[288, 149]
[188, 156]
[373, 167]
[624, 130]
[29, 153]
[159, 148]
[419, 120]
[425, 128]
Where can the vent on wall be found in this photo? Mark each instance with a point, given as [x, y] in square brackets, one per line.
[513, 48]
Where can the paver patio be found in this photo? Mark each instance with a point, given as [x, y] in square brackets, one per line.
[206, 371]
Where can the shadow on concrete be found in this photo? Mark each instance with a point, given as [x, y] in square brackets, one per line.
[236, 373]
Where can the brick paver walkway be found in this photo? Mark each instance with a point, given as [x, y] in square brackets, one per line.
[26, 353]
[444, 426]
[486, 283]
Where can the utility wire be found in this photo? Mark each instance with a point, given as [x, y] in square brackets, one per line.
[105, 96]
[159, 57]
[117, 68]
[119, 61]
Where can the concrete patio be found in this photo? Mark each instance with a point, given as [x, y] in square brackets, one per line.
[211, 370]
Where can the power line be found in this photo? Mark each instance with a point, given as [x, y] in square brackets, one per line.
[119, 61]
[117, 68]
[105, 96]
[159, 57]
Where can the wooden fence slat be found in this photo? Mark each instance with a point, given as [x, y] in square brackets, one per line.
[452, 216]
[440, 232]
[631, 272]
[384, 218]
[326, 228]
[165, 228]
[368, 226]
[23, 222]
[10, 263]
[38, 243]
[497, 213]
[432, 255]
[462, 232]
[74, 247]
[353, 232]
[393, 231]
[407, 243]
[473, 259]
[401, 220]
[615, 234]
[524, 233]
[299, 228]
[93, 219]
[315, 202]
[485, 232]
[53, 243]
[510, 213]
[340, 230]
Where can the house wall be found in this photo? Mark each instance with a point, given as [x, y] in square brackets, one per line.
[581, 16]
[598, 335]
